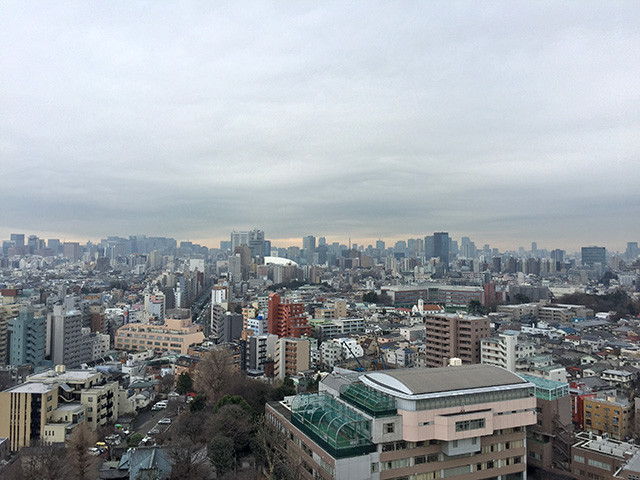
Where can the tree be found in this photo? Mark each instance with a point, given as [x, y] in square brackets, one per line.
[214, 373]
[42, 462]
[233, 400]
[189, 461]
[285, 389]
[521, 298]
[475, 307]
[198, 403]
[166, 383]
[268, 445]
[370, 297]
[221, 454]
[134, 440]
[81, 464]
[231, 421]
[184, 384]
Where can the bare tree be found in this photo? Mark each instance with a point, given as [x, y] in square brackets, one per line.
[214, 373]
[81, 464]
[189, 461]
[269, 445]
[42, 462]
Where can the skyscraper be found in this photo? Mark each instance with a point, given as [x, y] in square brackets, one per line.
[593, 255]
[441, 247]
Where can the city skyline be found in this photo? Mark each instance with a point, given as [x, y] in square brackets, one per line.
[507, 123]
[281, 242]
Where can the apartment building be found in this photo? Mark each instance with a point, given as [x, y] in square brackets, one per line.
[292, 356]
[504, 350]
[451, 335]
[465, 422]
[608, 414]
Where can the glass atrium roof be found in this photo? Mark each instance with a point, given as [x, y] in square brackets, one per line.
[547, 389]
[372, 401]
[338, 428]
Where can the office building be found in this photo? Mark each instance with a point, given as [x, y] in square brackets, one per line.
[593, 255]
[450, 335]
[465, 422]
[177, 333]
[287, 318]
[441, 245]
[66, 344]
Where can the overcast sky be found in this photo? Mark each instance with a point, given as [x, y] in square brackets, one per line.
[508, 122]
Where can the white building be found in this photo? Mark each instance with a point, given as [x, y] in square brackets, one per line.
[504, 350]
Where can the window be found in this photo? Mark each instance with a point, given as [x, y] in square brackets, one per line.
[388, 428]
[375, 467]
[419, 460]
[469, 425]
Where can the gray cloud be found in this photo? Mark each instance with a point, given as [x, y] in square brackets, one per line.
[508, 122]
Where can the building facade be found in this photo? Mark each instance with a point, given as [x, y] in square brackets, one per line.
[465, 422]
[451, 335]
[287, 318]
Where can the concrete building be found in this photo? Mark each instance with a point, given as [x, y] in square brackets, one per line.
[593, 255]
[549, 440]
[89, 388]
[27, 338]
[595, 457]
[287, 318]
[608, 415]
[465, 422]
[177, 333]
[66, 344]
[505, 350]
[292, 356]
[451, 335]
[260, 348]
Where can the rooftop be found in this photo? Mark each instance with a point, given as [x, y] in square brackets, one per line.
[420, 381]
[32, 387]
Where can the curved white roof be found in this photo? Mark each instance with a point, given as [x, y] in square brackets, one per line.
[279, 261]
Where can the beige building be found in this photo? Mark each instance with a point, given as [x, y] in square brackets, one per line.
[465, 422]
[450, 335]
[292, 356]
[177, 333]
[88, 388]
[32, 412]
[7, 312]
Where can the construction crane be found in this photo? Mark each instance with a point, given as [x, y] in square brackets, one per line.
[360, 367]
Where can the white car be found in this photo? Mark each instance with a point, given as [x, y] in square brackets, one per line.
[164, 421]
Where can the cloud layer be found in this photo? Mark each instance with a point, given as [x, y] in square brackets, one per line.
[508, 122]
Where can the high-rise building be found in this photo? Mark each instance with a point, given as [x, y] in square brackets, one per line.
[451, 335]
[632, 251]
[286, 318]
[291, 356]
[27, 338]
[65, 342]
[505, 350]
[593, 255]
[441, 244]
[465, 422]
[257, 244]
[429, 247]
[18, 239]
[309, 247]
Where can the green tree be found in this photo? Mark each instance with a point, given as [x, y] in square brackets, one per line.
[134, 440]
[233, 400]
[370, 297]
[475, 307]
[198, 403]
[221, 453]
[285, 389]
[521, 298]
[184, 384]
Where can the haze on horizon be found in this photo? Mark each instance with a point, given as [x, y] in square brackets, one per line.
[508, 122]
